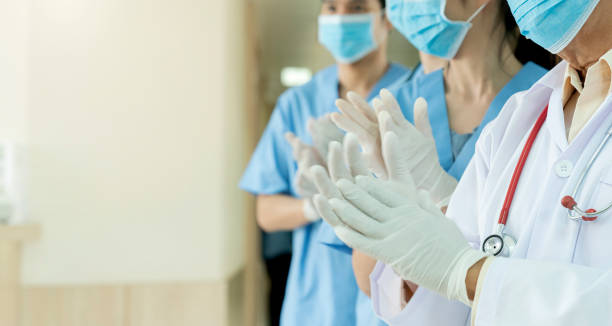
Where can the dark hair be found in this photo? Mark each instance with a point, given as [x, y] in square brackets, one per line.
[383, 3]
[524, 49]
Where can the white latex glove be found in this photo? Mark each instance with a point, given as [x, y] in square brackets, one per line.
[418, 151]
[306, 156]
[360, 119]
[323, 132]
[345, 161]
[397, 224]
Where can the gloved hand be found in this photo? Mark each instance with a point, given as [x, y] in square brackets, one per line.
[306, 156]
[345, 161]
[418, 151]
[397, 224]
[323, 132]
[360, 119]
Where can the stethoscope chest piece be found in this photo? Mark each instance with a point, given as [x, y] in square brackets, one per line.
[498, 245]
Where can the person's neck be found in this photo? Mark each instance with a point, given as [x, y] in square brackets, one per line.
[475, 73]
[362, 75]
[593, 40]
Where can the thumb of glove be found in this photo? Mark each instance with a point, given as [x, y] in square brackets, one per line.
[394, 159]
[421, 117]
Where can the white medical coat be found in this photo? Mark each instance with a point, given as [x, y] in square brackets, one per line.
[561, 270]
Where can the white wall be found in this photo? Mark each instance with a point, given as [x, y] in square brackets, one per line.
[13, 57]
[133, 125]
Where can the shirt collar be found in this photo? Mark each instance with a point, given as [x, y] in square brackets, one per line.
[572, 81]
[554, 78]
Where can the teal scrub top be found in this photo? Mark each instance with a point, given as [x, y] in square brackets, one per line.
[321, 288]
[453, 160]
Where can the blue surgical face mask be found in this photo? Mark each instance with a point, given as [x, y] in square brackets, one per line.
[349, 38]
[425, 25]
[552, 24]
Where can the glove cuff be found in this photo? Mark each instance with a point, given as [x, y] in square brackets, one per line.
[456, 284]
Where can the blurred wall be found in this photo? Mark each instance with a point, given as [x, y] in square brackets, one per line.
[132, 116]
[13, 68]
[131, 109]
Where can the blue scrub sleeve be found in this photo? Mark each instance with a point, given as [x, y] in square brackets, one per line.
[268, 171]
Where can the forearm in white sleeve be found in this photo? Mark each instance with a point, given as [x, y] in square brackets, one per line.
[527, 292]
[425, 308]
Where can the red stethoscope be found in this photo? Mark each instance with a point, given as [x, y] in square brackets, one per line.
[502, 243]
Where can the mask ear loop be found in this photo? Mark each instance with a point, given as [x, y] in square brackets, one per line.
[478, 11]
[469, 20]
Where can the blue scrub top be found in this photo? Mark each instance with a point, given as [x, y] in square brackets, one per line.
[321, 288]
[431, 87]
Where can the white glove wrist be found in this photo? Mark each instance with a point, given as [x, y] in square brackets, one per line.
[456, 281]
[310, 212]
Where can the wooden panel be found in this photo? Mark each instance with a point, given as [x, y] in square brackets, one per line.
[28, 232]
[177, 304]
[10, 270]
[166, 304]
[74, 306]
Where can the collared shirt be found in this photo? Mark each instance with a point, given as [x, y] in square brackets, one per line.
[594, 90]
[558, 274]
[386, 285]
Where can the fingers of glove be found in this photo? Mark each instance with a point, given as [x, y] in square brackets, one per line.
[351, 111]
[323, 182]
[311, 126]
[304, 185]
[309, 158]
[363, 201]
[378, 105]
[391, 194]
[328, 129]
[391, 106]
[353, 156]
[296, 145]
[396, 161]
[376, 163]
[317, 139]
[343, 122]
[355, 240]
[354, 218]
[325, 210]
[421, 117]
[407, 130]
[362, 105]
[386, 123]
[337, 168]
[323, 131]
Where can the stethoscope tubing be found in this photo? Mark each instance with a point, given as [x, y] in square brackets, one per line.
[574, 207]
